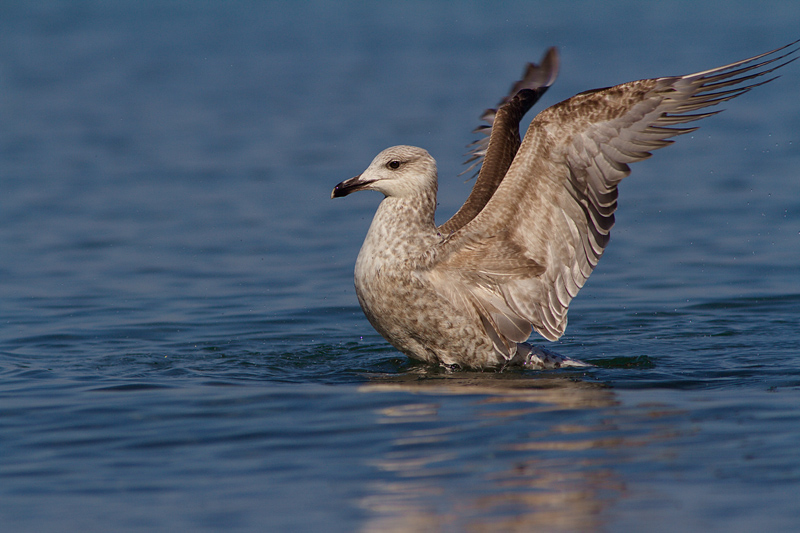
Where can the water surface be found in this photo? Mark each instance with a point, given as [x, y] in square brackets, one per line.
[181, 346]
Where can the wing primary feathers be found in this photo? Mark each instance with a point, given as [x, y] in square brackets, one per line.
[536, 78]
[494, 154]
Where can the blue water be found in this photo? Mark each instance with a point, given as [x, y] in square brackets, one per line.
[181, 347]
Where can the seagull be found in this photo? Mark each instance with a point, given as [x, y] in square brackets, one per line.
[469, 293]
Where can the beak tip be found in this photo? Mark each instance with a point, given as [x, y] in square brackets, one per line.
[348, 186]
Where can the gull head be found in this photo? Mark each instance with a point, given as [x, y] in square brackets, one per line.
[399, 171]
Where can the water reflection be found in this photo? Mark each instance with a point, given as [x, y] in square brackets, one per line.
[522, 453]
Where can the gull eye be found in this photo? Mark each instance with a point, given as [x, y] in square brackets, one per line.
[394, 164]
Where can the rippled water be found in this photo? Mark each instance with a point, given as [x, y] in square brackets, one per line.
[181, 347]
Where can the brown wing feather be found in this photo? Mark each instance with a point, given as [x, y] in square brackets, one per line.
[500, 147]
[556, 204]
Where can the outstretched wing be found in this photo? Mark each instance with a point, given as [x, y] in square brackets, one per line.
[495, 152]
[528, 252]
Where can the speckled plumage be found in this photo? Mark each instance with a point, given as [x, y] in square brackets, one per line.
[470, 292]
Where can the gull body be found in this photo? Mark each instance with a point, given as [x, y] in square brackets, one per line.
[471, 291]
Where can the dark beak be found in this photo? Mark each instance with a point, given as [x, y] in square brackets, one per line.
[348, 186]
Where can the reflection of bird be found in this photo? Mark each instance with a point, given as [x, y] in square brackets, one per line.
[469, 292]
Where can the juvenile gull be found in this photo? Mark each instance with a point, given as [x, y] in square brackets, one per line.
[470, 292]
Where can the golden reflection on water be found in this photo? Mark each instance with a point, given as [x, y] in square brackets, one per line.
[554, 474]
